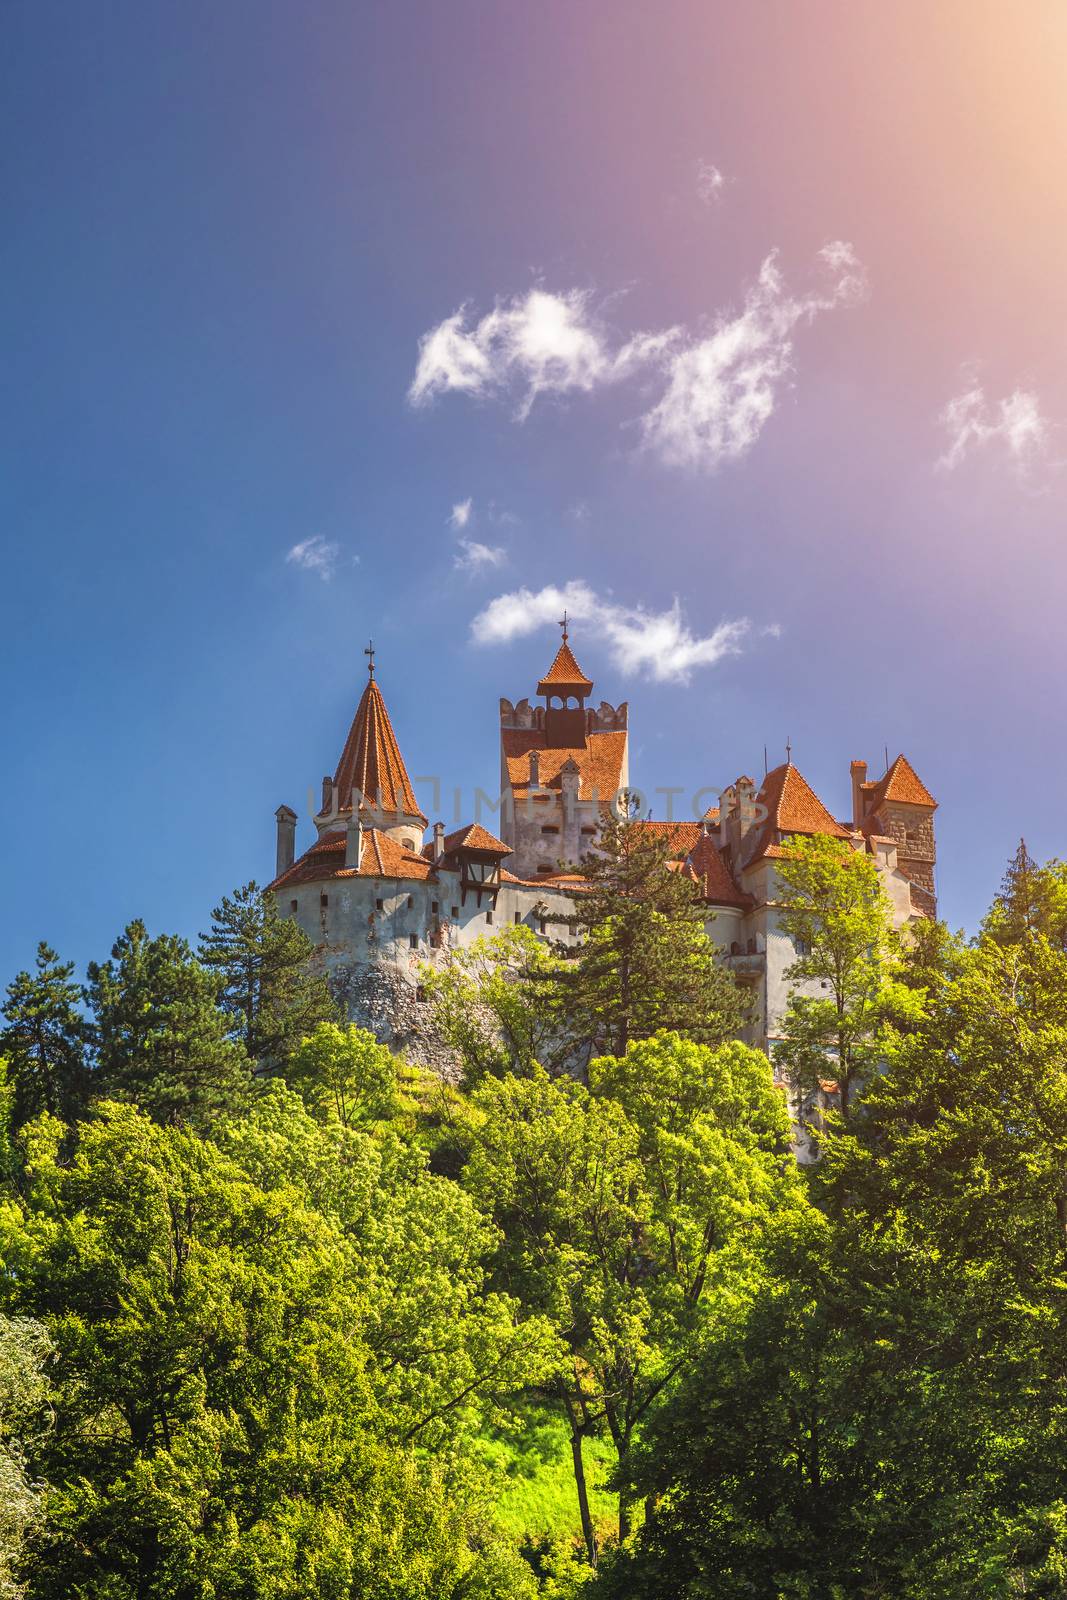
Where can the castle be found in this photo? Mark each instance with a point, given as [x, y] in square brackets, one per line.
[381, 901]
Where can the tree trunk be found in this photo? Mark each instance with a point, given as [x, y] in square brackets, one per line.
[579, 1479]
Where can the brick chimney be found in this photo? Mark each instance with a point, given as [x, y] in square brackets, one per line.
[535, 769]
[285, 817]
[858, 769]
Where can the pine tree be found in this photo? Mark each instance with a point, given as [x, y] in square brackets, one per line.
[161, 1038]
[269, 994]
[1032, 901]
[45, 1040]
[645, 962]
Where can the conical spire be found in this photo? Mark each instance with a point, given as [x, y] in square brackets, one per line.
[371, 761]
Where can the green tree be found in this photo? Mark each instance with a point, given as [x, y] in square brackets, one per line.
[494, 1004]
[645, 962]
[270, 993]
[345, 1073]
[628, 1209]
[24, 1350]
[160, 1037]
[269, 1355]
[1032, 900]
[44, 1039]
[833, 906]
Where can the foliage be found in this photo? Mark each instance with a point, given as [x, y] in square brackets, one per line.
[627, 1209]
[835, 910]
[44, 1039]
[493, 1003]
[160, 1037]
[24, 1350]
[345, 1073]
[1032, 900]
[269, 1353]
[270, 992]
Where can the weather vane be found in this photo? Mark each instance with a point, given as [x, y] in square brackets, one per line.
[563, 625]
[369, 653]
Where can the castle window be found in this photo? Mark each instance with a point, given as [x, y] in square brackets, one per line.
[802, 947]
[550, 827]
[455, 913]
[752, 947]
[324, 900]
[292, 907]
[380, 904]
[413, 941]
[735, 948]
[411, 902]
[488, 916]
[545, 870]
[433, 908]
[587, 833]
[518, 916]
[420, 994]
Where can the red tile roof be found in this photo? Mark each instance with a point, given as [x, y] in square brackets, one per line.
[792, 807]
[371, 761]
[475, 837]
[381, 857]
[599, 761]
[564, 673]
[901, 783]
[681, 836]
[717, 885]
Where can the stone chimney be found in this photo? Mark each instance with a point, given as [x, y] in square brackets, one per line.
[746, 806]
[438, 840]
[353, 838]
[858, 770]
[535, 769]
[285, 817]
[327, 793]
[570, 777]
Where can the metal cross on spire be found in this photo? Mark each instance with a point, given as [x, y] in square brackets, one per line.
[789, 752]
[563, 625]
[369, 653]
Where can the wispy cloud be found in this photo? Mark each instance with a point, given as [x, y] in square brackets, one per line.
[1014, 425]
[721, 387]
[460, 514]
[542, 343]
[474, 557]
[316, 555]
[710, 182]
[657, 644]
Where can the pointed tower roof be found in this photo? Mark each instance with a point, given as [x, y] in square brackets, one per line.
[792, 807]
[371, 761]
[564, 673]
[903, 784]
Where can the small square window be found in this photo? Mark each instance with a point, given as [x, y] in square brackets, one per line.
[324, 900]
[518, 916]
[433, 907]
[488, 916]
[292, 907]
[380, 904]
[455, 911]
[413, 941]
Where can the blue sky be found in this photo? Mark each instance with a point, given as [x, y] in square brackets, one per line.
[228, 231]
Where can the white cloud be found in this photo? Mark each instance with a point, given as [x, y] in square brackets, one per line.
[473, 557]
[1015, 424]
[316, 555]
[722, 389]
[658, 644]
[710, 182]
[460, 514]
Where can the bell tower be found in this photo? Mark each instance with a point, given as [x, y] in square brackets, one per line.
[565, 688]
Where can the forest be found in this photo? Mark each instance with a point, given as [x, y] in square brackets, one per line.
[284, 1315]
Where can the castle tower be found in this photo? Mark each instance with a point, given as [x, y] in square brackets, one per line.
[561, 764]
[899, 807]
[371, 766]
